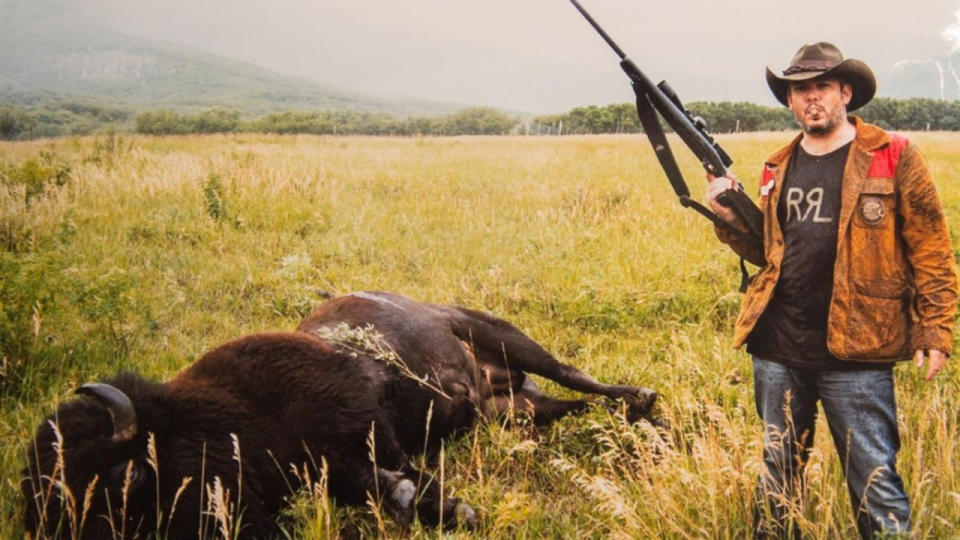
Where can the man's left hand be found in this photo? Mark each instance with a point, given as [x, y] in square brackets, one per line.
[938, 359]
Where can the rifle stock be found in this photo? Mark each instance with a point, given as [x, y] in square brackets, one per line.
[745, 209]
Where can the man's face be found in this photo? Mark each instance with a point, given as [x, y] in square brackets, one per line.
[819, 105]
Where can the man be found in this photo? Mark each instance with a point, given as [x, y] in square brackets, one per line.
[857, 273]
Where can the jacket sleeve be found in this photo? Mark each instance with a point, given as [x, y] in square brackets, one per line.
[751, 251]
[928, 248]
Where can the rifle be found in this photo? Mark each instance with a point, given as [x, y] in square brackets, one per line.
[660, 98]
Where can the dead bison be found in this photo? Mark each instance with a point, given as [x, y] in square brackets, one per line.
[214, 448]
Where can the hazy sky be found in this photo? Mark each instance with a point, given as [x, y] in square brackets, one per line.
[536, 55]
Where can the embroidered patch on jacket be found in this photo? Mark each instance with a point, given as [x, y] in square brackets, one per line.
[872, 210]
[766, 183]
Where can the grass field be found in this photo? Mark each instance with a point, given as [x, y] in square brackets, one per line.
[140, 253]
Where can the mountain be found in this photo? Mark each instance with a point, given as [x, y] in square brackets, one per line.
[45, 53]
[937, 78]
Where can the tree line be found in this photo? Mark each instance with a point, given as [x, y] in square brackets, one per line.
[71, 119]
[913, 114]
[19, 122]
[470, 121]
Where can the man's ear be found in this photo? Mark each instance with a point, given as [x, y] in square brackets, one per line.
[846, 92]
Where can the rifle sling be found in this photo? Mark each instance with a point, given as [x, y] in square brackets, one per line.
[661, 147]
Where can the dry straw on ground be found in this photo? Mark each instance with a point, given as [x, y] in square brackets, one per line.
[152, 250]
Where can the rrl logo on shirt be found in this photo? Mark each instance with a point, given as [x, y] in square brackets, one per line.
[802, 206]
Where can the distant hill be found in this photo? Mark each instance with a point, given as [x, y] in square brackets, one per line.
[45, 54]
[937, 78]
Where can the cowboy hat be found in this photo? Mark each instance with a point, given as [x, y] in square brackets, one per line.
[824, 59]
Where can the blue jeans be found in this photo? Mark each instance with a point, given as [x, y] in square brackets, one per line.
[862, 415]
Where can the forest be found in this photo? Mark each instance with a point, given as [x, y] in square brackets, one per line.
[24, 122]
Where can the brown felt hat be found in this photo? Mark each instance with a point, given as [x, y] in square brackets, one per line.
[824, 59]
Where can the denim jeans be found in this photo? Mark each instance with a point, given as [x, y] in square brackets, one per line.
[862, 415]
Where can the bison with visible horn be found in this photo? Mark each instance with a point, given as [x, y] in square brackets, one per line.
[214, 448]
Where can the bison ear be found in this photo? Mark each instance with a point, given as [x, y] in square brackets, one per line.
[121, 410]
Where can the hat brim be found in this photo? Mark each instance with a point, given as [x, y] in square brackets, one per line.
[852, 71]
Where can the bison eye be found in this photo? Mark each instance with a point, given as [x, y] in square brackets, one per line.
[118, 475]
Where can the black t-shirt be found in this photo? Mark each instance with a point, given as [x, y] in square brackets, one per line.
[793, 328]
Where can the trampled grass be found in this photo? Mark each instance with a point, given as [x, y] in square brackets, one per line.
[153, 250]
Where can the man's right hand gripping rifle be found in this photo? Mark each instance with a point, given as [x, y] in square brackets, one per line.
[745, 246]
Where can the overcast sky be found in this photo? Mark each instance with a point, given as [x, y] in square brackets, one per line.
[536, 55]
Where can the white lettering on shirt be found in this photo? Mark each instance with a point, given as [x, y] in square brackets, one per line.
[814, 200]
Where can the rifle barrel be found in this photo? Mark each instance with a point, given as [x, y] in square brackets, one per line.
[616, 48]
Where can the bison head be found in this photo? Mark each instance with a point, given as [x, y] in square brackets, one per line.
[89, 473]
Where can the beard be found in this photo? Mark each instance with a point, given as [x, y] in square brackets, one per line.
[834, 118]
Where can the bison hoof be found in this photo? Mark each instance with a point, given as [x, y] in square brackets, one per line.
[658, 422]
[466, 516]
[400, 495]
[404, 492]
[639, 403]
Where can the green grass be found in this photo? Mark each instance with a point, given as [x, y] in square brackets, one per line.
[154, 250]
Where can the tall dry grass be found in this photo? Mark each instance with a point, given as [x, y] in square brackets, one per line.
[156, 249]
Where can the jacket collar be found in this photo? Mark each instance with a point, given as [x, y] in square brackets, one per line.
[869, 137]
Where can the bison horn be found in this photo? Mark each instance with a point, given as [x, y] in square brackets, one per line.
[121, 409]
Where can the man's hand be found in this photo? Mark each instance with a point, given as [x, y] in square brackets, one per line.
[938, 359]
[717, 186]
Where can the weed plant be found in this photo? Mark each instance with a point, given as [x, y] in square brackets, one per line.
[140, 253]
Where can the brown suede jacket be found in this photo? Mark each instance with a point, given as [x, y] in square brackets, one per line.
[895, 281]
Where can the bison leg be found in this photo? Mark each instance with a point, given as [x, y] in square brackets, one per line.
[498, 344]
[527, 399]
[400, 497]
[544, 410]
[398, 487]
